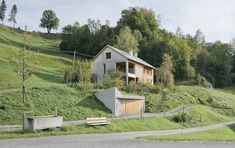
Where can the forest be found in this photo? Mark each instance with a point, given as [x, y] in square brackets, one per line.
[140, 30]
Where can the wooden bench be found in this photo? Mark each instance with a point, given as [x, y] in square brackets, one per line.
[97, 121]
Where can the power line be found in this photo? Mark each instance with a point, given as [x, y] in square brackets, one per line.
[72, 52]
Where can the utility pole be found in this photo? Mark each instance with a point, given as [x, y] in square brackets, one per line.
[74, 57]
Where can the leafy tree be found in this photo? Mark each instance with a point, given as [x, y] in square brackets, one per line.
[127, 41]
[233, 62]
[12, 16]
[216, 64]
[3, 8]
[84, 72]
[49, 20]
[199, 37]
[138, 18]
[165, 72]
[179, 32]
[79, 38]
[94, 25]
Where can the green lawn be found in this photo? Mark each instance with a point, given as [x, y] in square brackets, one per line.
[221, 134]
[124, 125]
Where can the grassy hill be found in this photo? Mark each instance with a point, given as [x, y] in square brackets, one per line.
[46, 88]
[222, 101]
[48, 91]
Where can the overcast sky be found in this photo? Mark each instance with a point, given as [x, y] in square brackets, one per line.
[216, 18]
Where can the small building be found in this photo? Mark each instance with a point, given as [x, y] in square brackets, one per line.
[132, 67]
[121, 104]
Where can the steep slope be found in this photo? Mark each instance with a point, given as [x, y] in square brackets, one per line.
[46, 88]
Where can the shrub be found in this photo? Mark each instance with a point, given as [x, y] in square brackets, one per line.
[181, 117]
[157, 88]
[113, 82]
[201, 81]
[70, 76]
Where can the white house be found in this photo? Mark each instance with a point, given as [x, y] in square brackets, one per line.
[132, 67]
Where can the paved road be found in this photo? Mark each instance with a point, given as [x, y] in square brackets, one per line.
[117, 140]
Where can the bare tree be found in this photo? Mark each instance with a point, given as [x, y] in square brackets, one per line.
[25, 66]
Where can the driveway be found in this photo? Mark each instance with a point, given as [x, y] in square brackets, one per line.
[117, 140]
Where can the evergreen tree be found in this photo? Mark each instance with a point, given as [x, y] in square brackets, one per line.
[3, 8]
[12, 15]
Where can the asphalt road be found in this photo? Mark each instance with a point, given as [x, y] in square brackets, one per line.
[105, 141]
[116, 140]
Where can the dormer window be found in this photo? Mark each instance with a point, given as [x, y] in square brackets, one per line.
[108, 55]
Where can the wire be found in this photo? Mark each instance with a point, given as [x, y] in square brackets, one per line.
[71, 52]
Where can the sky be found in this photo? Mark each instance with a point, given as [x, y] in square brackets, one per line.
[216, 18]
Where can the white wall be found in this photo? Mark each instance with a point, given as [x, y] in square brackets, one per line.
[97, 64]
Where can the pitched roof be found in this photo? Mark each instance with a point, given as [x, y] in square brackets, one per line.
[126, 55]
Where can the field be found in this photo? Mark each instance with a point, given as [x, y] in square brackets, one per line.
[221, 134]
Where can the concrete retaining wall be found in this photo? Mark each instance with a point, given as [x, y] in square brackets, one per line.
[43, 122]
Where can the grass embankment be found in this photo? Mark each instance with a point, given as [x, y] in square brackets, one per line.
[221, 134]
[124, 125]
[221, 102]
[46, 88]
[127, 125]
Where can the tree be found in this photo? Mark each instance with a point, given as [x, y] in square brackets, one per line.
[138, 18]
[215, 64]
[94, 25]
[3, 8]
[179, 32]
[49, 20]
[200, 37]
[25, 67]
[12, 16]
[165, 72]
[84, 74]
[79, 38]
[126, 40]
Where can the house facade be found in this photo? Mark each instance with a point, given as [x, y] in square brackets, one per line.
[132, 67]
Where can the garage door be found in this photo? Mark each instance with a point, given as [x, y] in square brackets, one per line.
[131, 106]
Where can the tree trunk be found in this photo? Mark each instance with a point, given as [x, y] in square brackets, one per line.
[23, 76]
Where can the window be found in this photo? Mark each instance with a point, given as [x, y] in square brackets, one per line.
[108, 55]
[104, 69]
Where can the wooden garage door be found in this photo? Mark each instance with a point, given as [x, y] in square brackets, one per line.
[131, 106]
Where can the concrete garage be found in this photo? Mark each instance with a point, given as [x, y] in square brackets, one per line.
[121, 104]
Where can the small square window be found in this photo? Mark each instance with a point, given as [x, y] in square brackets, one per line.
[108, 55]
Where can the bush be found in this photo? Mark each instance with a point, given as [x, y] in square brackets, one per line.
[157, 88]
[133, 87]
[201, 81]
[113, 82]
[181, 117]
[70, 76]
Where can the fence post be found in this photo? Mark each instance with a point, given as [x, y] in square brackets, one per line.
[141, 112]
[56, 111]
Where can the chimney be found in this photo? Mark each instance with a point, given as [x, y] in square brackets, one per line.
[131, 53]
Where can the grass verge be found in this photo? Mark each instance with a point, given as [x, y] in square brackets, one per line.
[221, 134]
